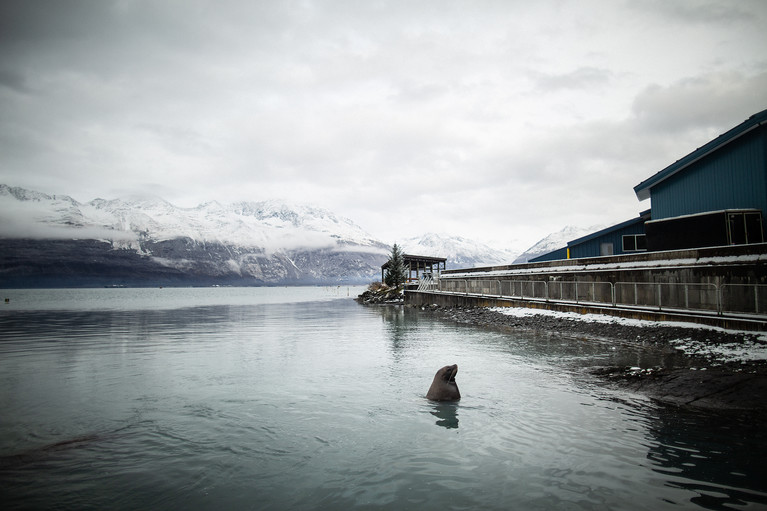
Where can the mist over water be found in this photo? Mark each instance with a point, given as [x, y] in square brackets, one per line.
[276, 398]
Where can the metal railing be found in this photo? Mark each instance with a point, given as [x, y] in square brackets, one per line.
[581, 292]
[428, 284]
[697, 297]
[746, 299]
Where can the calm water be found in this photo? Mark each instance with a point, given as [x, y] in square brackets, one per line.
[301, 399]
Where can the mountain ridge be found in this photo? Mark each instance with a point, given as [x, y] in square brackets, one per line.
[150, 241]
[459, 252]
[554, 241]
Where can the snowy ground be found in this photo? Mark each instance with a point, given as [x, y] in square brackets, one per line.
[745, 346]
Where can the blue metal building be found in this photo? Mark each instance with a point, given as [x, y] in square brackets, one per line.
[716, 195]
[623, 238]
[729, 172]
[555, 255]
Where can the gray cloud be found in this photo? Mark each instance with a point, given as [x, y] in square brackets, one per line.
[14, 81]
[700, 102]
[490, 119]
[582, 78]
[703, 11]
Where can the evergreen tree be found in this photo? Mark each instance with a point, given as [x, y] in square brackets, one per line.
[395, 274]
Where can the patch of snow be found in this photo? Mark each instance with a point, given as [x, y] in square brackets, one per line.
[752, 349]
[748, 350]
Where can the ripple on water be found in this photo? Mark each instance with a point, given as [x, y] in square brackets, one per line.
[321, 405]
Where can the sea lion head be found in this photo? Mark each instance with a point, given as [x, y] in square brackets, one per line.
[443, 387]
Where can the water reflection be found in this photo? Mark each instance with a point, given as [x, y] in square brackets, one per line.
[393, 321]
[721, 464]
[447, 413]
[321, 406]
[403, 326]
[130, 323]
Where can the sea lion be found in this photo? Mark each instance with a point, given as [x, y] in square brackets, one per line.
[443, 387]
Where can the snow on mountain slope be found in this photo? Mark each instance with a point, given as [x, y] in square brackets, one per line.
[30, 214]
[271, 225]
[49, 240]
[555, 241]
[460, 252]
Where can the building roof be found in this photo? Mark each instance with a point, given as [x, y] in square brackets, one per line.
[642, 190]
[407, 258]
[643, 217]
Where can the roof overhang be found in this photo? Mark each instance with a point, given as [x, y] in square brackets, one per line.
[409, 258]
[642, 190]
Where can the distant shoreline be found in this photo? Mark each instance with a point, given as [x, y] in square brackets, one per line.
[706, 382]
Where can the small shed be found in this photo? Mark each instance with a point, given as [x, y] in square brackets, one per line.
[418, 265]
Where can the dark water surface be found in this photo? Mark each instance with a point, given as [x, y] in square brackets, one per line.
[301, 399]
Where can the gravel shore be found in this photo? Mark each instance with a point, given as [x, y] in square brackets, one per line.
[712, 381]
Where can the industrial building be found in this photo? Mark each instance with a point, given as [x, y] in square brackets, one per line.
[624, 238]
[714, 196]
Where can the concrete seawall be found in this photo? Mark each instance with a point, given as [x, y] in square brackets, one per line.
[720, 286]
[426, 298]
[711, 257]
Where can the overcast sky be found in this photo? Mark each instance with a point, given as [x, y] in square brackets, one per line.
[499, 121]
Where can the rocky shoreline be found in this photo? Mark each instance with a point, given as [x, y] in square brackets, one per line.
[710, 382]
[381, 294]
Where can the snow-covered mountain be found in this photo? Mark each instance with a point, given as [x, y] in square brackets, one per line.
[54, 240]
[270, 224]
[555, 241]
[269, 242]
[460, 252]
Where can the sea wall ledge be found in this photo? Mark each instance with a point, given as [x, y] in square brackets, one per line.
[735, 255]
[429, 298]
[721, 286]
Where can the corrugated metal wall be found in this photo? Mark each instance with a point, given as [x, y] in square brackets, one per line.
[591, 248]
[560, 253]
[734, 177]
